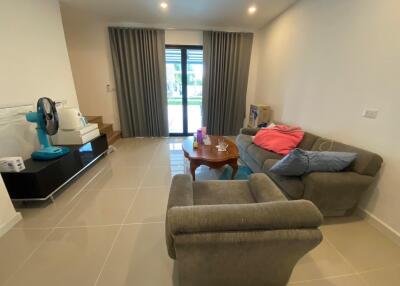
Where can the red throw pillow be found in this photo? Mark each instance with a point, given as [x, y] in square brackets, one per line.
[280, 139]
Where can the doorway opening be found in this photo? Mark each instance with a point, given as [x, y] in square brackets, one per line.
[184, 66]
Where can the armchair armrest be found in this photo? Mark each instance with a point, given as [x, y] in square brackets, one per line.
[264, 189]
[180, 195]
[244, 217]
[334, 192]
[249, 131]
[181, 192]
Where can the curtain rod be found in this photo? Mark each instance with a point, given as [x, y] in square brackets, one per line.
[208, 29]
[202, 29]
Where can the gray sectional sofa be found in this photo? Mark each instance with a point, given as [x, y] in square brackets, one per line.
[335, 194]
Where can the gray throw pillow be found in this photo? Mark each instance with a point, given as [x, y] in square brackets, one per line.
[293, 164]
[299, 162]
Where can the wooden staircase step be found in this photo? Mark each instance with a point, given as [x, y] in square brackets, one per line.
[114, 137]
[107, 129]
[95, 119]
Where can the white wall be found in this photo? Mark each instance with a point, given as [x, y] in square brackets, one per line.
[182, 37]
[322, 63]
[33, 56]
[251, 96]
[33, 63]
[89, 51]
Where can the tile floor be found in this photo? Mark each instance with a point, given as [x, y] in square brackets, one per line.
[107, 228]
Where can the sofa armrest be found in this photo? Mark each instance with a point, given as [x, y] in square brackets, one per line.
[336, 191]
[244, 217]
[264, 189]
[180, 195]
[249, 131]
[181, 192]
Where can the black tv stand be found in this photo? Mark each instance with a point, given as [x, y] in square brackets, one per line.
[41, 179]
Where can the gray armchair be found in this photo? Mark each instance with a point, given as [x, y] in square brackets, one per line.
[237, 232]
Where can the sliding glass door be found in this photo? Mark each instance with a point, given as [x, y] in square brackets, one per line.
[184, 88]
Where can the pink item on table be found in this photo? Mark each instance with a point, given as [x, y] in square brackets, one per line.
[204, 131]
[280, 139]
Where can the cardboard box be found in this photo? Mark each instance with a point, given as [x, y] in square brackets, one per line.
[259, 114]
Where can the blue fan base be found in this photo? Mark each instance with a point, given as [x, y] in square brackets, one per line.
[49, 153]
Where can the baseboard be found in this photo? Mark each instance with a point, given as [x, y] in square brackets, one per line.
[391, 233]
[8, 225]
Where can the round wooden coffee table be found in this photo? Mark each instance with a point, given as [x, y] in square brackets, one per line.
[210, 156]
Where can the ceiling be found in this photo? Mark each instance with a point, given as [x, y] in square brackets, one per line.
[229, 14]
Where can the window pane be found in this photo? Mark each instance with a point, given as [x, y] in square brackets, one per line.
[174, 90]
[194, 88]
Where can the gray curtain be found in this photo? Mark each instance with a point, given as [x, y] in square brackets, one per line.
[226, 70]
[138, 57]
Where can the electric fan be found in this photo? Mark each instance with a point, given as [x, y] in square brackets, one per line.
[47, 124]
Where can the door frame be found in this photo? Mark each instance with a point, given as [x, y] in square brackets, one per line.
[184, 49]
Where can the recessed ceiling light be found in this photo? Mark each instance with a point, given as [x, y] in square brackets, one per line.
[252, 9]
[164, 5]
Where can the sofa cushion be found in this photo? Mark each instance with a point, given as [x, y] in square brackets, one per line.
[260, 155]
[221, 192]
[243, 141]
[280, 139]
[299, 162]
[308, 141]
[292, 187]
[366, 163]
[250, 162]
[293, 164]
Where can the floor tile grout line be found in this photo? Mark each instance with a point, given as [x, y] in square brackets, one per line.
[18, 268]
[347, 261]
[31, 228]
[56, 226]
[77, 202]
[143, 223]
[115, 239]
[51, 231]
[123, 221]
[87, 184]
[324, 278]
[380, 268]
[87, 226]
[134, 198]
[109, 225]
[90, 226]
[121, 226]
[113, 189]
[356, 273]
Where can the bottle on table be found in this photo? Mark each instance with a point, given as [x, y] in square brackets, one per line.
[195, 142]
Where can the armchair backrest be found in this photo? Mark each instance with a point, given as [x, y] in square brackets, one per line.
[251, 244]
